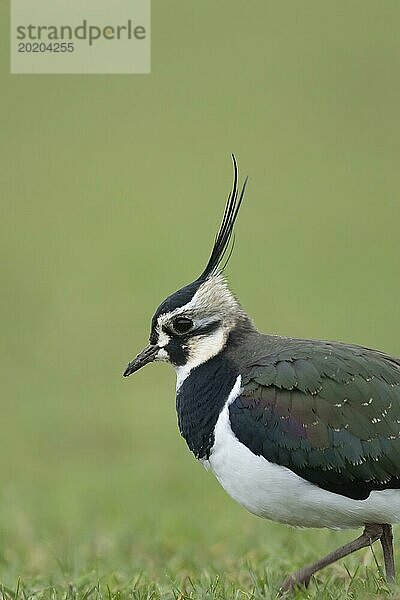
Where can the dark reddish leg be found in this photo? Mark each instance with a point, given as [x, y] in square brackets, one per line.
[370, 534]
[387, 547]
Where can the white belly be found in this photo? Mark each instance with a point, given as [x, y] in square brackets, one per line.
[276, 493]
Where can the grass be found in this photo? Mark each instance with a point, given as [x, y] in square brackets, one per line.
[253, 587]
[154, 536]
[251, 576]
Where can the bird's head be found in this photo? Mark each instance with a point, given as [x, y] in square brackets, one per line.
[193, 324]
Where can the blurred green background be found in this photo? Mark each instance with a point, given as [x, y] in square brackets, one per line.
[112, 189]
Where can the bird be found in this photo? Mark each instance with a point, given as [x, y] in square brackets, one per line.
[299, 431]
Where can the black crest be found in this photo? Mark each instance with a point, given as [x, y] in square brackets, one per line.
[225, 232]
[221, 244]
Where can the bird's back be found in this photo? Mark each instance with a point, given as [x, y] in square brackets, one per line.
[328, 411]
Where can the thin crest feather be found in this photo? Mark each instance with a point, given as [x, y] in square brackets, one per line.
[225, 232]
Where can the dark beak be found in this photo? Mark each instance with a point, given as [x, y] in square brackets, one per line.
[147, 355]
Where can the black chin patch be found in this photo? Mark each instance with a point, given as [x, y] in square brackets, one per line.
[177, 353]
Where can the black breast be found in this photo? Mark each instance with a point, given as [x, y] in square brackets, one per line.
[200, 400]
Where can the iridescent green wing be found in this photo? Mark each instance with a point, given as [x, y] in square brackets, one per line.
[328, 412]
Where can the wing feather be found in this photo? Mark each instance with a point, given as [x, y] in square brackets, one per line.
[330, 413]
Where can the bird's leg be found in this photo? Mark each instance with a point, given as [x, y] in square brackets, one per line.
[370, 534]
[387, 547]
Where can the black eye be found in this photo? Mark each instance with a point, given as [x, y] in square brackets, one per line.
[182, 324]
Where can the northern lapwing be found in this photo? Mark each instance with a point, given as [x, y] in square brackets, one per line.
[304, 432]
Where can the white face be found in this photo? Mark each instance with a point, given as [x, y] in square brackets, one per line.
[192, 334]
